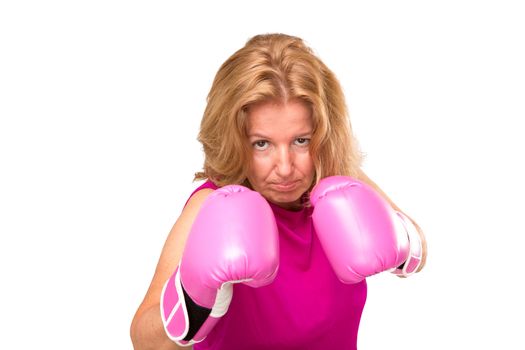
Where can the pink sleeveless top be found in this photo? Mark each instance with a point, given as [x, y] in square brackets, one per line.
[305, 308]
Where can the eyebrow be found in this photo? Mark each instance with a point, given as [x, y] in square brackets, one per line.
[262, 136]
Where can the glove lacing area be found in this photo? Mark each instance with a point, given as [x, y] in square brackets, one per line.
[415, 255]
[197, 315]
[201, 320]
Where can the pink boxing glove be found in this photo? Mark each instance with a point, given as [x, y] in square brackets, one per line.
[360, 232]
[234, 239]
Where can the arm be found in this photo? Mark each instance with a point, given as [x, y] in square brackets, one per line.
[363, 177]
[147, 331]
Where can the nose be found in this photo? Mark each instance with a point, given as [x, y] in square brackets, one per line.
[284, 163]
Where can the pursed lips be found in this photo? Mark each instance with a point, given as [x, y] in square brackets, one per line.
[289, 185]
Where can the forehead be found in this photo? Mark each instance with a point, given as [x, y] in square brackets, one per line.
[269, 117]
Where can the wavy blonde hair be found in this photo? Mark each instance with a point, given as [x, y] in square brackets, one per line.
[275, 67]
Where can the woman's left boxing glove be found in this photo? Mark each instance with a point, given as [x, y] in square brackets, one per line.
[360, 232]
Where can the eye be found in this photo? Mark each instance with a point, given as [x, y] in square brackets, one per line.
[301, 141]
[260, 145]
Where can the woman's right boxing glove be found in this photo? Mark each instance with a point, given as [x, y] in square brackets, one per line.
[234, 239]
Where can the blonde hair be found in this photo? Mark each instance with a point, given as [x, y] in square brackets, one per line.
[275, 67]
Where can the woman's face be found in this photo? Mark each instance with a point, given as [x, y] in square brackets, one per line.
[281, 167]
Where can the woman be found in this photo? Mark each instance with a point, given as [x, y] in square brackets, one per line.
[257, 260]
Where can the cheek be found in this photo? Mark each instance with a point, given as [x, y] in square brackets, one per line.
[259, 169]
[306, 165]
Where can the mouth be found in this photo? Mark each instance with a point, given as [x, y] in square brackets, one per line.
[285, 186]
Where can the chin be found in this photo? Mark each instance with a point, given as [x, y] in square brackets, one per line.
[286, 198]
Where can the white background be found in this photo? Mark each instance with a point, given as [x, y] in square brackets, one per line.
[100, 104]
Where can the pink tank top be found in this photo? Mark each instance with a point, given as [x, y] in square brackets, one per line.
[305, 308]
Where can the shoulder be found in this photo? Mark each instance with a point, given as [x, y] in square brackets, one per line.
[195, 201]
[202, 191]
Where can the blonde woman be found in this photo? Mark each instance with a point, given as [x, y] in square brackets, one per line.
[272, 251]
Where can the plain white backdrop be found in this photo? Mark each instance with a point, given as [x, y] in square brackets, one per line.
[100, 104]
